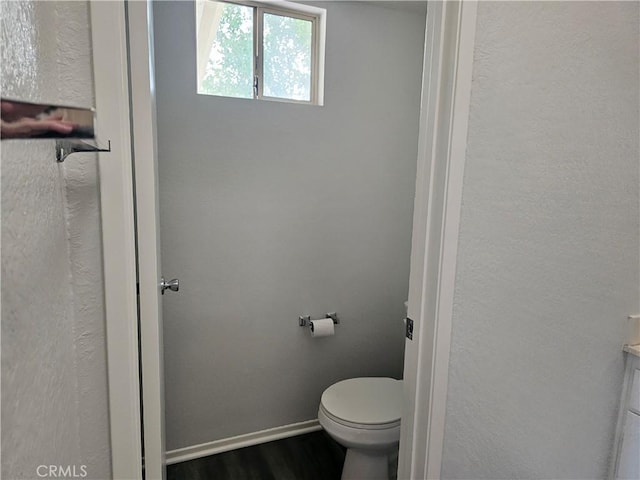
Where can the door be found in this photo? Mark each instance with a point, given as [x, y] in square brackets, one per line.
[440, 132]
[148, 238]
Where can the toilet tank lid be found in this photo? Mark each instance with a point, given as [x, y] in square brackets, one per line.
[367, 400]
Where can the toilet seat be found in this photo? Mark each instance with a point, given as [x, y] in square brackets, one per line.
[359, 426]
[368, 403]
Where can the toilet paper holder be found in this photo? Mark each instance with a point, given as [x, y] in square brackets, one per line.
[305, 320]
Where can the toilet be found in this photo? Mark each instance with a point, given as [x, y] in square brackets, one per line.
[363, 415]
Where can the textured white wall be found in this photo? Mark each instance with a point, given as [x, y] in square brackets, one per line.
[549, 240]
[272, 210]
[54, 390]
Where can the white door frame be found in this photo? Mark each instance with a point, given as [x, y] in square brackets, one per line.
[145, 159]
[448, 62]
[442, 144]
[111, 83]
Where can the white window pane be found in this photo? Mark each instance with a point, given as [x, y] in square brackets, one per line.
[287, 46]
[225, 49]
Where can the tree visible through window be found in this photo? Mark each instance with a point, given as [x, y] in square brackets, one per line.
[248, 50]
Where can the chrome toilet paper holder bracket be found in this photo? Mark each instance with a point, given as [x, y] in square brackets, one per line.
[305, 320]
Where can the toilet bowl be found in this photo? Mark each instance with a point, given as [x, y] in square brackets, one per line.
[363, 414]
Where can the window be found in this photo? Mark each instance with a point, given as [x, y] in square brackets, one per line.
[262, 50]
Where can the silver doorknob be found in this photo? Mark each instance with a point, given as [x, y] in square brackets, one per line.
[173, 285]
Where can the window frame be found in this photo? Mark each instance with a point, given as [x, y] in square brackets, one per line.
[315, 15]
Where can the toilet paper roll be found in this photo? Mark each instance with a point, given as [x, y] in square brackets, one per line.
[322, 328]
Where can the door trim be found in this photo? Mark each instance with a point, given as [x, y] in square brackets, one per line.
[108, 34]
[444, 116]
[442, 144]
[145, 161]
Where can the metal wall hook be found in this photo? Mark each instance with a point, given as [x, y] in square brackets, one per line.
[64, 148]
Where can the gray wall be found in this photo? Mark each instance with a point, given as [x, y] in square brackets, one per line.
[274, 210]
[54, 388]
[548, 259]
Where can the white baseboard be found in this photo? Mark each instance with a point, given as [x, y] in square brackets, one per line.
[246, 440]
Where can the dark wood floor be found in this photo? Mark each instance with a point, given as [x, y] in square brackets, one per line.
[314, 456]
